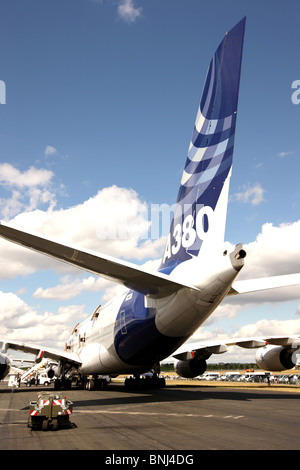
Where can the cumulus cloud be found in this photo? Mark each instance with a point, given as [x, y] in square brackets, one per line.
[20, 321]
[114, 221]
[264, 327]
[251, 194]
[70, 288]
[284, 154]
[50, 150]
[28, 189]
[128, 12]
[275, 251]
[13, 177]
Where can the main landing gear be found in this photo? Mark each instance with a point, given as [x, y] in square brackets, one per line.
[62, 384]
[144, 382]
[96, 383]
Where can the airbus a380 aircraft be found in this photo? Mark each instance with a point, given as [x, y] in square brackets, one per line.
[161, 310]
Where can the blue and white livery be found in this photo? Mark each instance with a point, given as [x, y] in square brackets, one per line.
[160, 310]
[203, 193]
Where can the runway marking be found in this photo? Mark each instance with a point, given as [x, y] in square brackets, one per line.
[9, 409]
[151, 413]
[233, 417]
[178, 415]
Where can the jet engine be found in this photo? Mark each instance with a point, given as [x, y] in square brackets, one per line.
[52, 372]
[191, 368]
[275, 358]
[5, 366]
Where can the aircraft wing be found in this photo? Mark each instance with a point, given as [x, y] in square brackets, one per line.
[40, 352]
[206, 349]
[259, 284]
[122, 272]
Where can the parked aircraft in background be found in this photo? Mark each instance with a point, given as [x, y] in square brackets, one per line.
[161, 310]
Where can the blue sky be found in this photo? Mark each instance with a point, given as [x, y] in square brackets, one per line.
[101, 98]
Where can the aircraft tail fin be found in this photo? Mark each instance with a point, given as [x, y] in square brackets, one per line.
[200, 212]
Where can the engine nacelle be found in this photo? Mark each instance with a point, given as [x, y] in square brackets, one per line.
[52, 372]
[191, 368]
[275, 358]
[5, 366]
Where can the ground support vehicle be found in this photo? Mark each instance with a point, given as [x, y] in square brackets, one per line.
[41, 379]
[50, 411]
[210, 376]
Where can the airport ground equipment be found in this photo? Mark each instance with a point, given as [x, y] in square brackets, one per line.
[50, 411]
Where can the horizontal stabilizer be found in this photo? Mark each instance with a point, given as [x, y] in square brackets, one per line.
[254, 285]
[122, 272]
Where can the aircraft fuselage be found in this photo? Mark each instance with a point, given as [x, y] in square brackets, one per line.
[133, 332]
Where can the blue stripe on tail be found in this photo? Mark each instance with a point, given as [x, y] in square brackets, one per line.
[209, 158]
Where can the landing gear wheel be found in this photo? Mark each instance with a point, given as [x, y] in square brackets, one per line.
[54, 425]
[145, 383]
[45, 425]
[90, 385]
[162, 382]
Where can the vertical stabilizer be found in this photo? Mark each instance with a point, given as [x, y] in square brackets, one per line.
[200, 212]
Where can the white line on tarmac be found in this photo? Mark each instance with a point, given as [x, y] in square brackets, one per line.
[191, 415]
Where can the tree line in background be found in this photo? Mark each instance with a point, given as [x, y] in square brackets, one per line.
[232, 366]
[169, 367]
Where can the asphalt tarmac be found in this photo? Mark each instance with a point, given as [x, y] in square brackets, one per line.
[176, 418]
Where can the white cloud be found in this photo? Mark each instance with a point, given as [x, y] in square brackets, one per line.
[114, 221]
[284, 154]
[111, 212]
[50, 150]
[11, 206]
[70, 288]
[128, 12]
[24, 323]
[251, 194]
[12, 177]
[266, 327]
[275, 251]
[29, 189]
